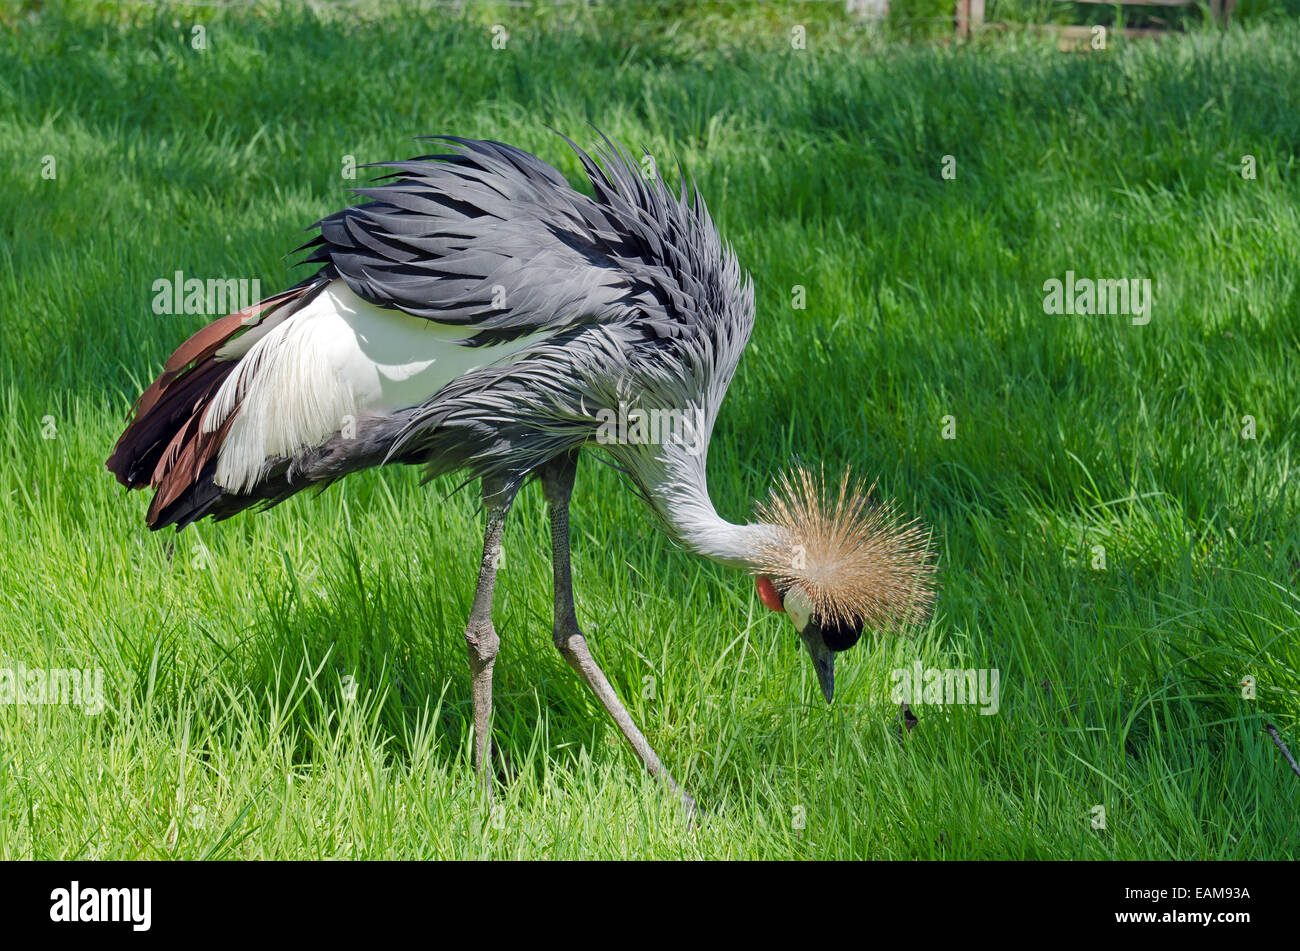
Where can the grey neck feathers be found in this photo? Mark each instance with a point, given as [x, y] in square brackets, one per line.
[678, 490]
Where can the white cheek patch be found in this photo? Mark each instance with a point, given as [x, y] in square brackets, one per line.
[798, 608]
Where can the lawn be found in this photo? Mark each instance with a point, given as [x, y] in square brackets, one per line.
[1114, 513]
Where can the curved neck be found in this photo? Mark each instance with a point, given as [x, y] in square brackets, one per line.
[706, 533]
[681, 499]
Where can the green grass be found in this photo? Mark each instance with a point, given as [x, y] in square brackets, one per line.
[228, 732]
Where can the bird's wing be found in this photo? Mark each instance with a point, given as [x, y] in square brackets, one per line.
[487, 237]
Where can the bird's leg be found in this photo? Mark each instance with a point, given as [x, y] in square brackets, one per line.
[480, 636]
[557, 484]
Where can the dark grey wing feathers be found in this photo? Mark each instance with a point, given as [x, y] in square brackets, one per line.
[487, 237]
[491, 238]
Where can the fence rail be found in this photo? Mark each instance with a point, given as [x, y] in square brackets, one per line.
[969, 17]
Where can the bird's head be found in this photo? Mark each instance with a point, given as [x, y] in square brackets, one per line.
[836, 563]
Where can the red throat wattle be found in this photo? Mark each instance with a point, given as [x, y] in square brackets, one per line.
[767, 593]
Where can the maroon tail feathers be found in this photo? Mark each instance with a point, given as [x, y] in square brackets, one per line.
[164, 445]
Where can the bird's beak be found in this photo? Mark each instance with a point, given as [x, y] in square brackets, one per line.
[799, 610]
[823, 659]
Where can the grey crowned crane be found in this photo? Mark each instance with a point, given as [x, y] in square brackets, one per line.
[478, 315]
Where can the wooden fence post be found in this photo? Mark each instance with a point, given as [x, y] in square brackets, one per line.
[970, 16]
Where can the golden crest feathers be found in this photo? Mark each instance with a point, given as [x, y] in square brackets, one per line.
[858, 561]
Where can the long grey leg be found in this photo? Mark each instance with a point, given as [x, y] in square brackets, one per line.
[480, 636]
[557, 484]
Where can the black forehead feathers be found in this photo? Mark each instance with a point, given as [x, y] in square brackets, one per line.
[840, 635]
